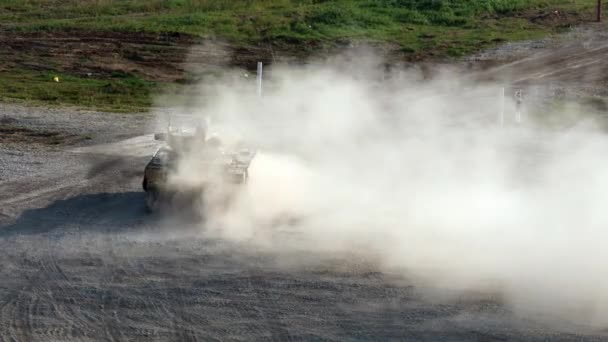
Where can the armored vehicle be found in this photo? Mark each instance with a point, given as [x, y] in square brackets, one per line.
[188, 165]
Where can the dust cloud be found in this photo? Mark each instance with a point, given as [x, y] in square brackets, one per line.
[416, 174]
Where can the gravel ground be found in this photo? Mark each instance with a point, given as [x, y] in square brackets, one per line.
[81, 260]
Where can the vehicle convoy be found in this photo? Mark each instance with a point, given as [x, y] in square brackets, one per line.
[189, 166]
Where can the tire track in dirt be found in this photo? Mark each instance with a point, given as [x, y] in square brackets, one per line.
[18, 315]
[58, 289]
[91, 266]
[265, 308]
[51, 283]
[6, 314]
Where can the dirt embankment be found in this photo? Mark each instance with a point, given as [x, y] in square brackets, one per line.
[570, 66]
[164, 56]
[159, 57]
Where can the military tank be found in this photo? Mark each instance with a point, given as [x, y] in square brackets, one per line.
[215, 166]
[211, 168]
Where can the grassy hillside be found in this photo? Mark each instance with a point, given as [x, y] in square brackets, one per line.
[248, 21]
[419, 29]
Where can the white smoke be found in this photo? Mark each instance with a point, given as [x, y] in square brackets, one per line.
[418, 175]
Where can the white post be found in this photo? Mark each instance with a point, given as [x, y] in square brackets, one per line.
[259, 79]
[518, 104]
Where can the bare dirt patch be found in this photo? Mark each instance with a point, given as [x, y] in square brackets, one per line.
[13, 133]
[553, 17]
[158, 57]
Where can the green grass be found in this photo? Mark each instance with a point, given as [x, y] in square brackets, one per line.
[123, 93]
[249, 21]
[421, 28]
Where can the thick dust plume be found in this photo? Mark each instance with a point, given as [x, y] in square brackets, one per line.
[418, 175]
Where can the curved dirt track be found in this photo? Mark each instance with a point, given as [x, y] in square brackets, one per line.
[572, 64]
[82, 261]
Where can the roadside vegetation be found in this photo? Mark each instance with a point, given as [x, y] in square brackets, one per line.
[466, 24]
[420, 29]
[120, 93]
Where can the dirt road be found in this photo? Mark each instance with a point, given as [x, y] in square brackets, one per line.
[570, 65]
[82, 261]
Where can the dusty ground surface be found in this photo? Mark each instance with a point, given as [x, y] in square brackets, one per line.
[81, 260]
